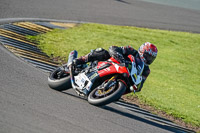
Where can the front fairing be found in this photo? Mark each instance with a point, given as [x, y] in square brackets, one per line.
[112, 68]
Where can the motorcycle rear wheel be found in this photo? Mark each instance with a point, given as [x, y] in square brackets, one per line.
[114, 93]
[59, 83]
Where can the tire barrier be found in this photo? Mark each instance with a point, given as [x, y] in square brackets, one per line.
[12, 36]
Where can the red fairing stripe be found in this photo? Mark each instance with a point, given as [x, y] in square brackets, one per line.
[113, 60]
[114, 68]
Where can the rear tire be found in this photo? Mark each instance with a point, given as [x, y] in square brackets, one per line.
[59, 84]
[115, 95]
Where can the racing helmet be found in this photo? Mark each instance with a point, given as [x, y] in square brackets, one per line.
[147, 52]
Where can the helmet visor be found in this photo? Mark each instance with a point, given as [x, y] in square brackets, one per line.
[149, 58]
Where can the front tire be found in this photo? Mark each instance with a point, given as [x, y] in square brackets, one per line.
[115, 93]
[59, 83]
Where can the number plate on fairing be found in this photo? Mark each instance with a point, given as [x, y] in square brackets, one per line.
[82, 81]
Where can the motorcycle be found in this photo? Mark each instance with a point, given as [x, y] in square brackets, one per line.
[101, 82]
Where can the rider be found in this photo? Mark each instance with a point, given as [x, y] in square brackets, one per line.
[147, 52]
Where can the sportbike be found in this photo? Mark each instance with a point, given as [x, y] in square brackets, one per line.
[101, 82]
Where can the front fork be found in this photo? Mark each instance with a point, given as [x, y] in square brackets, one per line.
[110, 83]
[113, 81]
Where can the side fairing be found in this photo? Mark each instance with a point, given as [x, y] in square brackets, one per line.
[111, 69]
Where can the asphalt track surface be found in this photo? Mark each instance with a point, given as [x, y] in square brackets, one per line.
[29, 105]
[119, 12]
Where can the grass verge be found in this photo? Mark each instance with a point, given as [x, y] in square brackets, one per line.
[173, 85]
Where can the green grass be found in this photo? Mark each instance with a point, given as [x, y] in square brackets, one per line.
[174, 83]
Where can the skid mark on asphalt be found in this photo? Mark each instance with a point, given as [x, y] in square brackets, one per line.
[12, 36]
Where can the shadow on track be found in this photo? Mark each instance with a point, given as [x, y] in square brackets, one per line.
[168, 127]
[151, 121]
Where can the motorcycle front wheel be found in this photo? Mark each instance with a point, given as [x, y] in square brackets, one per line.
[59, 80]
[99, 97]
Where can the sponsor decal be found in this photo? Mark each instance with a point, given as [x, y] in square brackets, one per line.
[93, 76]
